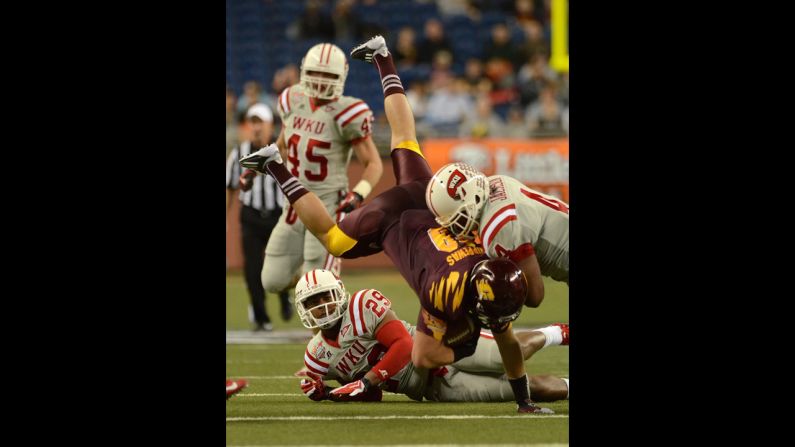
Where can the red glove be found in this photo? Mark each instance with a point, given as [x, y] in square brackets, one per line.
[314, 389]
[353, 388]
[351, 201]
[247, 179]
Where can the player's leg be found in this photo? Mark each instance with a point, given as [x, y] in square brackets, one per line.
[311, 210]
[284, 253]
[454, 385]
[548, 388]
[253, 257]
[398, 113]
[315, 254]
[487, 355]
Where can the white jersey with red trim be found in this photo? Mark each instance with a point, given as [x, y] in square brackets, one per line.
[319, 138]
[518, 221]
[356, 349]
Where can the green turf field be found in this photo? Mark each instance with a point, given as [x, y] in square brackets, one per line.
[273, 411]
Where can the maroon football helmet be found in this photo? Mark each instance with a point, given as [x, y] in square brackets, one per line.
[501, 288]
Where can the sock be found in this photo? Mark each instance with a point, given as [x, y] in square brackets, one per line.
[567, 388]
[289, 185]
[520, 387]
[553, 334]
[390, 82]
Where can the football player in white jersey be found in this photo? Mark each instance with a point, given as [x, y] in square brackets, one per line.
[510, 219]
[321, 129]
[363, 345]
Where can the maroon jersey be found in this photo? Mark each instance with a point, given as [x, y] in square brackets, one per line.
[434, 264]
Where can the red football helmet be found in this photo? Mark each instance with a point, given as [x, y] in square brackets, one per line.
[501, 288]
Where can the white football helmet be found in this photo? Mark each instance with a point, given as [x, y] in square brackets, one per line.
[456, 195]
[325, 58]
[315, 282]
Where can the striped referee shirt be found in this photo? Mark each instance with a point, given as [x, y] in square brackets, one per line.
[265, 194]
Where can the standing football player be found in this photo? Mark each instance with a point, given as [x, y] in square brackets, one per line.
[320, 127]
[363, 345]
[452, 283]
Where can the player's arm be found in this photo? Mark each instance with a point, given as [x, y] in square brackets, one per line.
[367, 154]
[282, 145]
[501, 240]
[535, 283]
[511, 352]
[232, 176]
[429, 352]
[513, 361]
[392, 334]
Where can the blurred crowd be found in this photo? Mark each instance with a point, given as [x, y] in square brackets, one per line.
[504, 87]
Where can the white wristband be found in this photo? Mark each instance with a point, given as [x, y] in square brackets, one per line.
[363, 188]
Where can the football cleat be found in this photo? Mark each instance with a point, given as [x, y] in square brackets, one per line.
[234, 386]
[258, 160]
[365, 51]
[564, 330]
[530, 407]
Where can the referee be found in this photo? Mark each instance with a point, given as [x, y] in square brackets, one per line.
[262, 205]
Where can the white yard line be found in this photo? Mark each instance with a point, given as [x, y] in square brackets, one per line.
[410, 445]
[367, 418]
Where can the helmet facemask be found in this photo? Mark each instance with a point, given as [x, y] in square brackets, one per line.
[309, 294]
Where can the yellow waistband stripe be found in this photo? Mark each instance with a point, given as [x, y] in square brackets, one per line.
[339, 242]
[410, 145]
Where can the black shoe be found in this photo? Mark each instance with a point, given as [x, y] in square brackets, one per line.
[287, 306]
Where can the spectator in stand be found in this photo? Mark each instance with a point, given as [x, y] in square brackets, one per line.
[532, 78]
[484, 123]
[516, 127]
[252, 94]
[405, 54]
[529, 11]
[434, 42]
[473, 72]
[314, 23]
[501, 48]
[534, 42]
[448, 105]
[545, 116]
[347, 25]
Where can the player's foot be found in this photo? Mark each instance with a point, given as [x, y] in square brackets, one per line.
[287, 306]
[258, 160]
[530, 407]
[263, 327]
[365, 51]
[564, 331]
[234, 386]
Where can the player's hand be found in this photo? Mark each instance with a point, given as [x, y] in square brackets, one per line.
[526, 406]
[247, 179]
[351, 201]
[353, 388]
[314, 389]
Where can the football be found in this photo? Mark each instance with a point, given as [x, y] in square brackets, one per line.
[460, 330]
